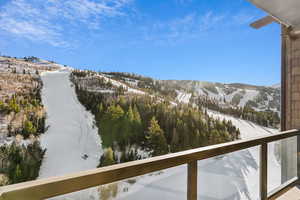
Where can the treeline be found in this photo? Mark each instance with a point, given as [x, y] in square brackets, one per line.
[124, 75]
[20, 163]
[146, 84]
[88, 79]
[31, 59]
[82, 74]
[151, 124]
[264, 118]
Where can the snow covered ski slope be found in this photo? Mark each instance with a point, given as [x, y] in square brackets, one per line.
[72, 141]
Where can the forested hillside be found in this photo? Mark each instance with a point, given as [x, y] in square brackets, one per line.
[133, 123]
[267, 118]
[258, 104]
[22, 120]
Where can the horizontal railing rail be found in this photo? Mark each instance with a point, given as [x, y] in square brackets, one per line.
[55, 186]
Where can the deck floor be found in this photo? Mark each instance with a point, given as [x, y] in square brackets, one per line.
[292, 194]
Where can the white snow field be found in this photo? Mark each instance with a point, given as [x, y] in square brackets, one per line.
[118, 84]
[71, 133]
[183, 97]
[234, 176]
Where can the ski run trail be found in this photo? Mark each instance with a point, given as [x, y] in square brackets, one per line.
[71, 135]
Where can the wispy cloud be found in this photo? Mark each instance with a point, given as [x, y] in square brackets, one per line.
[61, 23]
[193, 26]
[45, 20]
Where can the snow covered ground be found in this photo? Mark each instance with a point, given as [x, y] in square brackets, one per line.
[118, 84]
[233, 176]
[249, 95]
[71, 133]
[183, 97]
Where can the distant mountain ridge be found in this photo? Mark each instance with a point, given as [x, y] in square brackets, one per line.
[278, 85]
[237, 94]
[260, 98]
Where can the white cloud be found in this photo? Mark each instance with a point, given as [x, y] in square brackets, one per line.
[46, 20]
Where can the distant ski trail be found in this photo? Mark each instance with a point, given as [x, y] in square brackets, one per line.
[71, 134]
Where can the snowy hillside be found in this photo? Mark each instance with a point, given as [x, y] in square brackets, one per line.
[258, 97]
[233, 176]
[27, 65]
[276, 86]
[183, 97]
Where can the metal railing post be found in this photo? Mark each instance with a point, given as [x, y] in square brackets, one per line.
[192, 181]
[263, 176]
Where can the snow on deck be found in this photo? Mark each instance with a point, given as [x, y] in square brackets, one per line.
[71, 134]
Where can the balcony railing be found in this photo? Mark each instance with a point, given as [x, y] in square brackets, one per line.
[51, 187]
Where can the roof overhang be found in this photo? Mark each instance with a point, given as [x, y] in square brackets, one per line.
[287, 12]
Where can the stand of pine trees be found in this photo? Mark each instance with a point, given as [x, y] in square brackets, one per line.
[21, 163]
[267, 118]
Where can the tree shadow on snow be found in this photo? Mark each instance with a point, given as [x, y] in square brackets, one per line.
[218, 178]
[225, 178]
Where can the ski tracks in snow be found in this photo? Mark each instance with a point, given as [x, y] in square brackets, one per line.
[71, 134]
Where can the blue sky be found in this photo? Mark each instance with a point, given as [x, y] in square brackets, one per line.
[166, 39]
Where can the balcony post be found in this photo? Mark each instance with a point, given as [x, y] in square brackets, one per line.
[290, 101]
[298, 157]
[192, 181]
[263, 171]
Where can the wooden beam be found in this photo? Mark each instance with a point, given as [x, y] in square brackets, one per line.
[192, 181]
[283, 78]
[294, 34]
[263, 22]
[263, 175]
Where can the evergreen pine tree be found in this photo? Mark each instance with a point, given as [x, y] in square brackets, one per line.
[28, 128]
[156, 138]
[107, 158]
[18, 174]
[129, 114]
